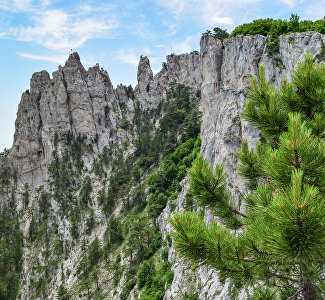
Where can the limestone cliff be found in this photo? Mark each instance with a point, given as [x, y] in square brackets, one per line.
[82, 105]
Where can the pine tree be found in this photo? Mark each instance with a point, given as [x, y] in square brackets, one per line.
[275, 242]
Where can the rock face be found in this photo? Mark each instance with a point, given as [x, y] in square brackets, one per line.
[84, 103]
[226, 69]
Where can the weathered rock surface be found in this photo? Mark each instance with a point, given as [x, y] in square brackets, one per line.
[85, 103]
[226, 70]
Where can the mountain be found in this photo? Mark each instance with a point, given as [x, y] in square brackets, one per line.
[95, 171]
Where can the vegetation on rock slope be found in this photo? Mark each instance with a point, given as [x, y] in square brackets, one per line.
[11, 239]
[145, 172]
[273, 29]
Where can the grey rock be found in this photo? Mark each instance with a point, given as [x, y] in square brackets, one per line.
[85, 102]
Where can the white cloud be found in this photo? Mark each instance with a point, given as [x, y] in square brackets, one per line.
[315, 10]
[146, 51]
[209, 12]
[141, 28]
[24, 5]
[184, 46]
[55, 29]
[128, 57]
[55, 59]
[59, 31]
[290, 3]
[84, 8]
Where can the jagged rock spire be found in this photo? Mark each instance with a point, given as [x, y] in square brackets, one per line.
[145, 74]
[144, 77]
[74, 61]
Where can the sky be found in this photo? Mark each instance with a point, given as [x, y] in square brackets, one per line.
[38, 35]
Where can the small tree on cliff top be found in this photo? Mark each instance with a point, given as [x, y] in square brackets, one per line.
[281, 241]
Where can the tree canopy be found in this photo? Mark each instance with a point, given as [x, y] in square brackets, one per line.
[272, 27]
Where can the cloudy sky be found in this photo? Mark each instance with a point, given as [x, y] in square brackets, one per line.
[38, 34]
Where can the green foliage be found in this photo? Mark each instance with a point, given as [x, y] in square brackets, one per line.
[5, 152]
[11, 237]
[219, 33]
[44, 205]
[279, 27]
[85, 190]
[26, 196]
[113, 234]
[76, 146]
[180, 116]
[143, 240]
[64, 168]
[11, 243]
[263, 294]
[86, 270]
[191, 296]
[273, 29]
[94, 252]
[145, 274]
[283, 233]
[40, 286]
[155, 277]
[129, 91]
[125, 124]
[90, 223]
[127, 289]
[209, 189]
[74, 219]
[8, 182]
[273, 46]
[165, 181]
[63, 293]
[106, 200]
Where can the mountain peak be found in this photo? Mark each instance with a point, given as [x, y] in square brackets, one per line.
[73, 61]
[73, 57]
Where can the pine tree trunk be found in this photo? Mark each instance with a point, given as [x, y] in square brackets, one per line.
[309, 291]
[88, 292]
[97, 284]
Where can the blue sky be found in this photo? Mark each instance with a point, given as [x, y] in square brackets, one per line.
[37, 35]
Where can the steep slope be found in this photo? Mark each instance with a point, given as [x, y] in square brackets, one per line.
[226, 69]
[90, 162]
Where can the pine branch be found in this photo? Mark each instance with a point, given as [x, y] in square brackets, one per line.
[281, 276]
[209, 187]
[232, 209]
[240, 271]
[295, 295]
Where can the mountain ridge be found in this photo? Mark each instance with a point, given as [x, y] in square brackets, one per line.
[84, 103]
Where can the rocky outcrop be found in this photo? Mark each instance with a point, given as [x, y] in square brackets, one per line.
[183, 69]
[226, 68]
[85, 103]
